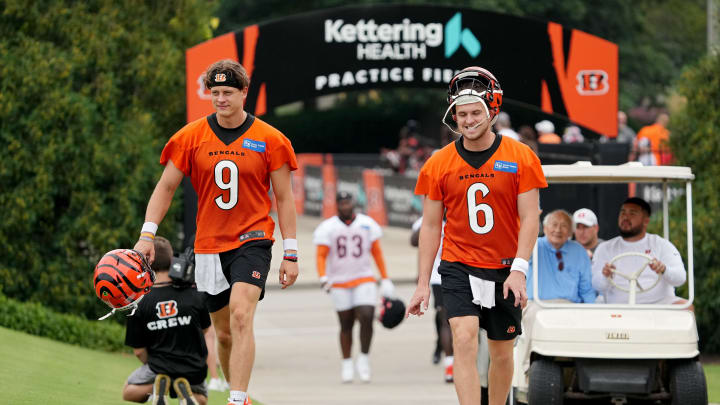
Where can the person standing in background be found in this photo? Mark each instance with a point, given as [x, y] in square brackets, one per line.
[656, 137]
[504, 127]
[345, 243]
[546, 132]
[625, 133]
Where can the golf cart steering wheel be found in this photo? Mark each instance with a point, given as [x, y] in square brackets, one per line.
[635, 275]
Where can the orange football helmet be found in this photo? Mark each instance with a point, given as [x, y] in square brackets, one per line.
[122, 277]
[474, 84]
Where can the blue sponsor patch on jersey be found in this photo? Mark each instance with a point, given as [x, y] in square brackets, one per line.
[256, 146]
[503, 166]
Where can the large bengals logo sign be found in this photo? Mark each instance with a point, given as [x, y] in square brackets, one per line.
[166, 309]
[592, 82]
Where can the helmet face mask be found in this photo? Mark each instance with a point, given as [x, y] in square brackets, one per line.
[471, 85]
[392, 312]
[122, 277]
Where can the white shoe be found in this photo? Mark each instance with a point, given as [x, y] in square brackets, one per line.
[184, 392]
[347, 373]
[363, 367]
[161, 390]
[216, 384]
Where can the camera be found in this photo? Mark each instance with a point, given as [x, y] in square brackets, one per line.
[182, 268]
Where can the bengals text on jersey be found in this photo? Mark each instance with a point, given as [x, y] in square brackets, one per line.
[479, 192]
[230, 172]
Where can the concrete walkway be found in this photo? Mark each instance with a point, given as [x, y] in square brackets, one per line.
[298, 356]
[297, 350]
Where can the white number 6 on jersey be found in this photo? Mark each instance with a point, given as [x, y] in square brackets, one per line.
[473, 209]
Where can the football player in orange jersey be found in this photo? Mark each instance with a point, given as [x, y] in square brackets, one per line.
[487, 185]
[231, 158]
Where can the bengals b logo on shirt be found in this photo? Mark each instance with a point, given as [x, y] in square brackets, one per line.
[166, 309]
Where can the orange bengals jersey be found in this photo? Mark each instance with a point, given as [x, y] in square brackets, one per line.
[479, 192]
[230, 171]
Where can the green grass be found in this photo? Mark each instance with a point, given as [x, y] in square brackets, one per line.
[36, 370]
[712, 376]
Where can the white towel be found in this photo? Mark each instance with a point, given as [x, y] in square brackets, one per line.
[483, 292]
[209, 276]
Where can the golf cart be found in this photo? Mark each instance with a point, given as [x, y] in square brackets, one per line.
[614, 353]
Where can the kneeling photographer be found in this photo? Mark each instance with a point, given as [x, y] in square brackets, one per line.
[167, 334]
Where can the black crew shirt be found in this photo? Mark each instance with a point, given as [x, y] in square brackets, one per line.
[169, 323]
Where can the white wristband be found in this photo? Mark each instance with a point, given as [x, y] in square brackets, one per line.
[290, 244]
[521, 265]
[150, 227]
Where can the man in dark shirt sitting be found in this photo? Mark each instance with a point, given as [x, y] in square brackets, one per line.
[167, 335]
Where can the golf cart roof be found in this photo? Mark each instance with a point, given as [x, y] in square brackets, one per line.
[586, 172]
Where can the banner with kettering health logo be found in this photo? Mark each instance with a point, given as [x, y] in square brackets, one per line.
[539, 64]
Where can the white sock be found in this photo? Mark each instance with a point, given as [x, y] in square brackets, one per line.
[449, 360]
[364, 357]
[238, 397]
[347, 362]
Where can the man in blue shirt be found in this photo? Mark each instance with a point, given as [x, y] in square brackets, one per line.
[564, 274]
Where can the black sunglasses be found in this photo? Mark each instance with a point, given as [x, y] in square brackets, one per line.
[561, 265]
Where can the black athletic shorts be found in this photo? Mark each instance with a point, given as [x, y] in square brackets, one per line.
[437, 295]
[249, 263]
[502, 322]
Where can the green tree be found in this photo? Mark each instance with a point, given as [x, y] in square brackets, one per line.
[89, 93]
[695, 141]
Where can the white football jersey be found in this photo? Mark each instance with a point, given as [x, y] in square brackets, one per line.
[349, 257]
[651, 244]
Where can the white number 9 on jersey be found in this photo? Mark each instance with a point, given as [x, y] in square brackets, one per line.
[231, 185]
[473, 209]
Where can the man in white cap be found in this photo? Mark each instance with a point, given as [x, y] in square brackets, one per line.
[546, 132]
[586, 230]
[503, 126]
